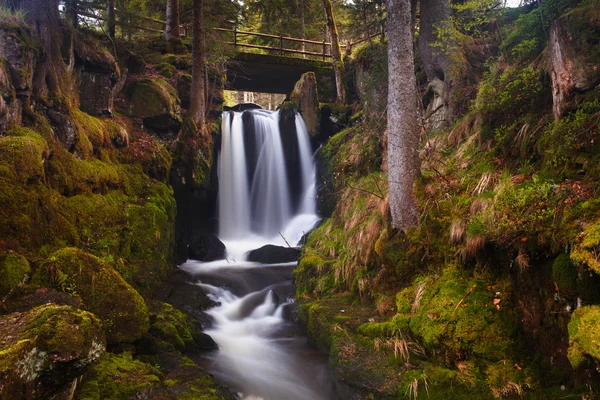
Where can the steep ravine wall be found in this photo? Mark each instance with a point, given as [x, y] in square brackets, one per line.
[88, 235]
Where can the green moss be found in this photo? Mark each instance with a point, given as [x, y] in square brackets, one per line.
[456, 313]
[166, 70]
[22, 155]
[118, 377]
[584, 335]
[172, 326]
[564, 275]
[14, 269]
[102, 290]
[90, 129]
[585, 251]
[153, 97]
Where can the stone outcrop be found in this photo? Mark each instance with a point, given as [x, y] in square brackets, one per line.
[306, 97]
[45, 349]
[571, 66]
[99, 77]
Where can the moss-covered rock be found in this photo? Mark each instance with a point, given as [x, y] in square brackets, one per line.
[585, 251]
[102, 290]
[14, 269]
[156, 101]
[119, 377]
[46, 348]
[306, 97]
[584, 336]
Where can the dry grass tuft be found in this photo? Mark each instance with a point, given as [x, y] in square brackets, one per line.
[478, 205]
[522, 259]
[419, 292]
[458, 230]
[474, 245]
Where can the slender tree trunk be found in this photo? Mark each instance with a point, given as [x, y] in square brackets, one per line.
[198, 97]
[338, 62]
[110, 18]
[403, 116]
[172, 34]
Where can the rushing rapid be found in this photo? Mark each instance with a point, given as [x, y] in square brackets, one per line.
[261, 354]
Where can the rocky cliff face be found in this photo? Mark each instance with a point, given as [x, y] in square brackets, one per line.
[88, 227]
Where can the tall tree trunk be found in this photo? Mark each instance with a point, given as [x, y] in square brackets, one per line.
[338, 62]
[172, 34]
[198, 97]
[110, 18]
[403, 116]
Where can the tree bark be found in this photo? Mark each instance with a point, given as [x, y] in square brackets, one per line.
[43, 17]
[172, 34]
[338, 62]
[403, 117]
[110, 18]
[197, 109]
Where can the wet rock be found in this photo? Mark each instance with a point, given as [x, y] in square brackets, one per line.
[305, 96]
[271, 254]
[103, 292]
[206, 247]
[18, 49]
[45, 349]
[26, 297]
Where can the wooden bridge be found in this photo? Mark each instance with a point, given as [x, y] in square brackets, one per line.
[271, 67]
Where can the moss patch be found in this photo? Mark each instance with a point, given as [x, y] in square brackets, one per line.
[14, 269]
[584, 336]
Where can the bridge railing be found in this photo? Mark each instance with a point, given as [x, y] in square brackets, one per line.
[324, 47]
[282, 43]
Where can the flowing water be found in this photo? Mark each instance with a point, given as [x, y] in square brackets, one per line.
[261, 354]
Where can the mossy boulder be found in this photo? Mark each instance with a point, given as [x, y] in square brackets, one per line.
[14, 269]
[44, 349]
[102, 290]
[584, 336]
[119, 377]
[156, 101]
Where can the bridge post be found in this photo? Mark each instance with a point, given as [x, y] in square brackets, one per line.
[324, 50]
[281, 45]
[234, 36]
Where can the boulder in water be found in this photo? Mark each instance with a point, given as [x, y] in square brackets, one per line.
[206, 247]
[271, 254]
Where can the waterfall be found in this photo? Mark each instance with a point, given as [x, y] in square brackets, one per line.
[255, 195]
[267, 180]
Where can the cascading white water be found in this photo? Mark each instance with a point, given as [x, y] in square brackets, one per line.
[255, 200]
[260, 353]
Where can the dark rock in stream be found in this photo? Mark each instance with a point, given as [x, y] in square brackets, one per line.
[271, 254]
[206, 247]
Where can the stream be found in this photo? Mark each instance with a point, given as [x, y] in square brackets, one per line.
[262, 354]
